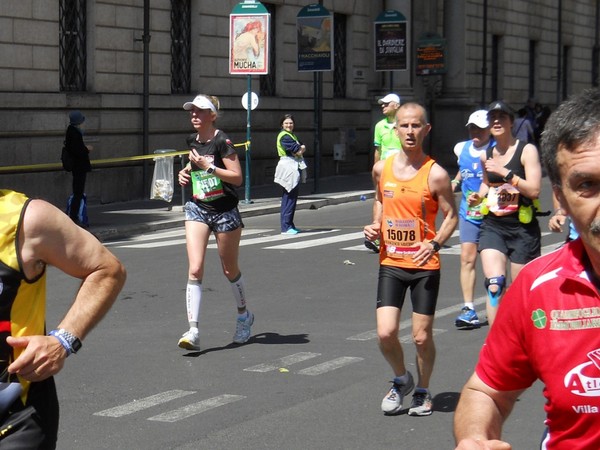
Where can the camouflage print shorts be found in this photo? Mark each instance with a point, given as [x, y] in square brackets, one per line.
[217, 222]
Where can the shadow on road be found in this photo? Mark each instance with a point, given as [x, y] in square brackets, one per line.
[261, 338]
[445, 402]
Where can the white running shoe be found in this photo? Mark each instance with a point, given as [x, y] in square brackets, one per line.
[190, 340]
[392, 402]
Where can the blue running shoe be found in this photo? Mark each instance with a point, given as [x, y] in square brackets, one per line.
[291, 231]
[467, 319]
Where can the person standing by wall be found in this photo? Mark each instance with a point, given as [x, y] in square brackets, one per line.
[385, 140]
[80, 154]
[523, 128]
[214, 171]
[512, 180]
[411, 188]
[290, 170]
[469, 176]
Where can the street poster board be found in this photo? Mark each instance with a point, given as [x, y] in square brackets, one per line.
[391, 49]
[249, 39]
[315, 39]
[431, 55]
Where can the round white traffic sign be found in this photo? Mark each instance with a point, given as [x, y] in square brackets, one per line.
[253, 99]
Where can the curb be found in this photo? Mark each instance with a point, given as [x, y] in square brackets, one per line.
[246, 210]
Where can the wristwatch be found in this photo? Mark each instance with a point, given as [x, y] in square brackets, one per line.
[68, 340]
[509, 176]
[436, 245]
[211, 169]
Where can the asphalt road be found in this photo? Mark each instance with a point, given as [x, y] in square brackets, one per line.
[311, 377]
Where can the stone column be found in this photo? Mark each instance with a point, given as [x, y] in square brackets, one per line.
[455, 35]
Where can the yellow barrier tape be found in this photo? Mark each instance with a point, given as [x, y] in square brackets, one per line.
[95, 162]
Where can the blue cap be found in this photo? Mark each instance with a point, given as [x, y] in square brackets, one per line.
[76, 118]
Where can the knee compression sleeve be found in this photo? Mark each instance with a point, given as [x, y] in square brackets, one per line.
[500, 282]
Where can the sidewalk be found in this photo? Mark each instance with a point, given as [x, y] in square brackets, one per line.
[125, 219]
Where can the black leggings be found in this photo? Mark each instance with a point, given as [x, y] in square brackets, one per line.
[78, 190]
[394, 282]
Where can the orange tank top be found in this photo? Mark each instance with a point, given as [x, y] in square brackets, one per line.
[409, 212]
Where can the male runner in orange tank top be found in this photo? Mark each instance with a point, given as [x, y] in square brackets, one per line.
[411, 188]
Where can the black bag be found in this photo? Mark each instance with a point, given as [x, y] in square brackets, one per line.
[67, 159]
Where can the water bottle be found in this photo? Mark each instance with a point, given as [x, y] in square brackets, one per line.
[525, 214]
[484, 207]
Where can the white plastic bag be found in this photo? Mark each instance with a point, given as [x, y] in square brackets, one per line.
[162, 180]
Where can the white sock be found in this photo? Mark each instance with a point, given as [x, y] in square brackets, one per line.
[193, 299]
[470, 305]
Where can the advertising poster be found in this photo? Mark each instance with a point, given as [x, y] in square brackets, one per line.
[248, 43]
[431, 56]
[315, 39]
[391, 42]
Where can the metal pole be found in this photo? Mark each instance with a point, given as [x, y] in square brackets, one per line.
[248, 138]
[484, 54]
[318, 106]
[596, 49]
[146, 89]
[559, 55]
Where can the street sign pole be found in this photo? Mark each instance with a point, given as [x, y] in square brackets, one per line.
[249, 24]
[248, 140]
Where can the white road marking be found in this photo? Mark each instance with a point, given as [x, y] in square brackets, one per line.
[148, 241]
[277, 237]
[282, 362]
[196, 408]
[317, 242]
[408, 339]
[144, 403]
[328, 366]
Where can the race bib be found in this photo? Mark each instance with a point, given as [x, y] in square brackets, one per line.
[474, 212]
[206, 187]
[503, 200]
[401, 236]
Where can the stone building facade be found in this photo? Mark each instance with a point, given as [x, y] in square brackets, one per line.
[95, 56]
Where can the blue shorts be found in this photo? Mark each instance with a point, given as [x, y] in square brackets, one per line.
[469, 231]
[218, 222]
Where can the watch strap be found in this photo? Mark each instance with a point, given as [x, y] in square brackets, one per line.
[436, 245]
[68, 340]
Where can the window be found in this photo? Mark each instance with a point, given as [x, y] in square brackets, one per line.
[532, 67]
[566, 71]
[72, 45]
[181, 39]
[496, 65]
[339, 58]
[267, 82]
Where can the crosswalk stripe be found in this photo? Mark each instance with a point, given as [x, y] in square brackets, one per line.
[317, 242]
[405, 324]
[196, 408]
[180, 241]
[328, 366]
[144, 403]
[283, 362]
[408, 339]
[277, 237]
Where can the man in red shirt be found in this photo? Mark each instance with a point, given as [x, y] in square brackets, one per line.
[548, 324]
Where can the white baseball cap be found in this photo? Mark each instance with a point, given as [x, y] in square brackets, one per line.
[200, 102]
[389, 98]
[479, 119]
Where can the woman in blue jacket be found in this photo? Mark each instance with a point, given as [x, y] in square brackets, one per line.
[291, 169]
